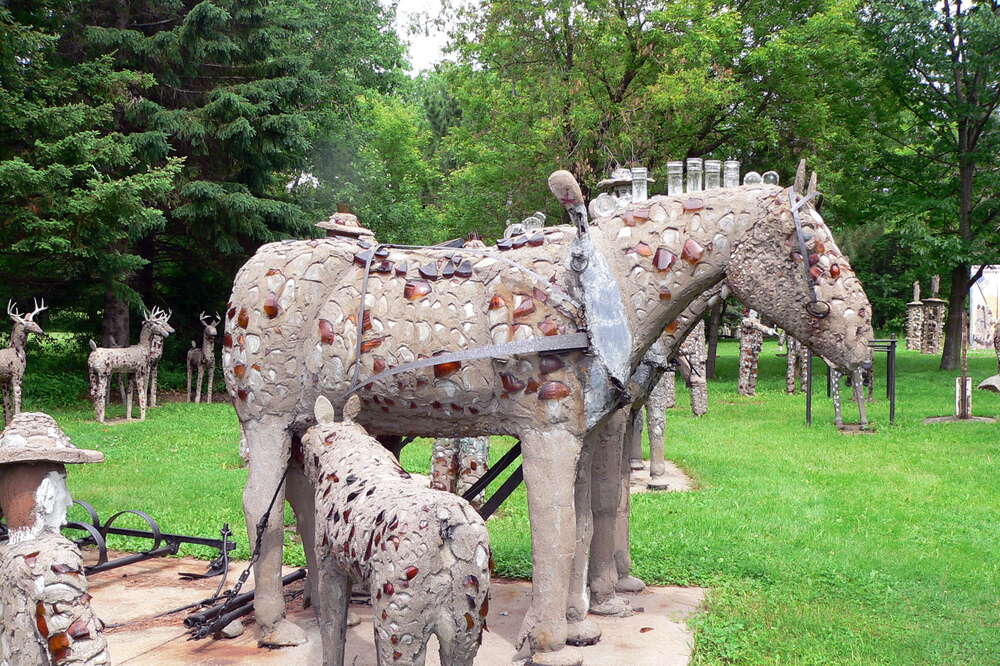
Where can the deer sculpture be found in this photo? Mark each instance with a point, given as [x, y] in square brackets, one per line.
[202, 359]
[337, 316]
[133, 361]
[13, 359]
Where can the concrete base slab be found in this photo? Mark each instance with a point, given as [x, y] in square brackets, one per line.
[127, 600]
[674, 479]
[955, 419]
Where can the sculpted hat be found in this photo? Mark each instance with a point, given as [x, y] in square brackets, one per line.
[345, 224]
[35, 437]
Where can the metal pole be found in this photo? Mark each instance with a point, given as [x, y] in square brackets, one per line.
[890, 382]
[809, 387]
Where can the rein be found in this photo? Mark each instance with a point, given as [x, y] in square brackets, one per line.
[816, 308]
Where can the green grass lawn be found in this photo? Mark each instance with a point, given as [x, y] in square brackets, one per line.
[818, 548]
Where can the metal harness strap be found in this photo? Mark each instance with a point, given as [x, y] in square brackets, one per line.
[816, 308]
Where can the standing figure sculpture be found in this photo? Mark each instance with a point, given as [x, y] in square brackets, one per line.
[752, 333]
[535, 338]
[694, 351]
[13, 359]
[457, 463]
[44, 605]
[133, 361]
[796, 366]
[202, 359]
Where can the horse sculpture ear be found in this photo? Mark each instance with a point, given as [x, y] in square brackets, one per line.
[812, 184]
[324, 411]
[800, 177]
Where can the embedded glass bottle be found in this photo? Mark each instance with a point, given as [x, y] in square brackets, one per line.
[731, 174]
[713, 174]
[675, 178]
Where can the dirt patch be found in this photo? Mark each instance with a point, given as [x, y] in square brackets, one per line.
[674, 480]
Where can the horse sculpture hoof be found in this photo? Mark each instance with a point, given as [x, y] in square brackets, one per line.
[629, 584]
[613, 607]
[582, 633]
[567, 656]
[283, 634]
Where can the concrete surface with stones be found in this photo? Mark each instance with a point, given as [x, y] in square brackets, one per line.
[422, 555]
[14, 360]
[658, 636]
[201, 360]
[752, 333]
[133, 361]
[292, 333]
[914, 320]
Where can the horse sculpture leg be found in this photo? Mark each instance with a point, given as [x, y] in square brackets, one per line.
[607, 471]
[580, 629]
[549, 458]
[299, 492]
[623, 554]
[268, 443]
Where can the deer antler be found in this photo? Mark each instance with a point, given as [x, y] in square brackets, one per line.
[38, 309]
[12, 310]
[202, 318]
[218, 319]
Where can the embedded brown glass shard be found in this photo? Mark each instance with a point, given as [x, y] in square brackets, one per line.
[548, 327]
[469, 622]
[371, 344]
[553, 390]
[819, 247]
[634, 216]
[537, 240]
[526, 307]
[243, 319]
[384, 267]
[815, 272]
[446, 369]
[532, 386]
[671, 327]
[464, 269]
[484, 610]
[692, 251]
[641, 249]
[663, 259]
[242, 395]
[232, 312]
[227, 341]
[59, 646]
[835, 271]
[497, 302]
[472, 582]
[539, 295]
[429, 271]
[665, 294]
[411, 572]
[239, 370]
[366, 321]
[79, 630]
[326, 332]
[362, 258]
[43, 627]
[549, 364]
[271, 307]
[813, 259]
[378, 364]
[511, 384]
[693, 204]
[414, 290]
[401, 268]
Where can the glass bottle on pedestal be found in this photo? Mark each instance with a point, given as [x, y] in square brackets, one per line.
[694, 174]
[713, 174]
[675, 178]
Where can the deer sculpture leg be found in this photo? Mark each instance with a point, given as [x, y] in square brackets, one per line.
[152, 384]
[98, 393]
[268, 444]
[197, 384]
[548, 456]
[8, 408]
[189, 381]
[607, 472]
[210, 377]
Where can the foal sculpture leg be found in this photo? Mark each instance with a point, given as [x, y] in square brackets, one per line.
[268, 444]
[550, 461]
[334, 596]
[633, 444]
[623, 553]
[299, 492]
[607, 471]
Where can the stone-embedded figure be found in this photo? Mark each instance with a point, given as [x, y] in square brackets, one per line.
[932, 330]
[752, 333]
[914, 320]
[861, 379]
[13, 359]
[796, 366]
[694, 351]
[297, 330]
[458, 462]
[44, 605]
[133, 361]
[423, 556]
[202, 359]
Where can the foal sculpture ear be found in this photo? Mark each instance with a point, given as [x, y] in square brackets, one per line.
[351, 409]
[324, 411]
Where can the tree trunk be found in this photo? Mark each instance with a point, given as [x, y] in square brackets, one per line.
[714, 321]
[115, 328]
[952, 352]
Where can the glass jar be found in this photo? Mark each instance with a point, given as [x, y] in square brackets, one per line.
[731, 174]
[675, 178]
[752, 178]
[770, 177]
[713, 174]
[694, 174]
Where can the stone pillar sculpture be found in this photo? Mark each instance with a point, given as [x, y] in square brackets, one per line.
[914, 320]
[751, 340]
[458, 462]
[13, 359]
[933, 320]
[44, 605]
[796, 368]
[696, 353]
[656, 420]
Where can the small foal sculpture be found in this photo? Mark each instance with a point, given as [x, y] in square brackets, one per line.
[13, 359]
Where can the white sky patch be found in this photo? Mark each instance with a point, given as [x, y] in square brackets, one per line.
[415, 26]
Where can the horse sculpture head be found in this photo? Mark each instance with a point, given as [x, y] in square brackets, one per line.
[789, 268]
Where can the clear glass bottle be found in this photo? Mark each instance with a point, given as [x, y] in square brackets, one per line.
[752, 178]
[675, 178]
[640, 178]
[694, 174]
[731, 174]
[713, 174]
[770, 177]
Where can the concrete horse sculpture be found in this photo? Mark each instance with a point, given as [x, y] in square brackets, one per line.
[337, 315]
